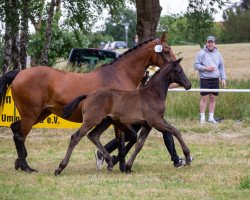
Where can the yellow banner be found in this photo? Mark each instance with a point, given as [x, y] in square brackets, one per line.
[10, 114]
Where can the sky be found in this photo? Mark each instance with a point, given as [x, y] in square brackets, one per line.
[178, 6]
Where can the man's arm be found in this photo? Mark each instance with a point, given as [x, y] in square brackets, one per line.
[222, 73]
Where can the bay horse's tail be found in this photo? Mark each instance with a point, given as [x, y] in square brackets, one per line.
[5, 82]
[69, 108]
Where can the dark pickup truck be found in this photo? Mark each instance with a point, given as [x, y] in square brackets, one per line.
[91, 57]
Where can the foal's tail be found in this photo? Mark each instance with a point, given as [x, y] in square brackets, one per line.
[69, 108]
[5, 82]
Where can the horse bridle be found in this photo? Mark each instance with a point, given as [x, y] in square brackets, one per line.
[164, 58]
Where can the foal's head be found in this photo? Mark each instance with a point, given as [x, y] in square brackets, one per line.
[177, 74]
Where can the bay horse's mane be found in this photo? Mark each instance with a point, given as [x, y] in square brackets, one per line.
[129, 51]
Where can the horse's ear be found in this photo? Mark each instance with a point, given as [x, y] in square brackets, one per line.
[179, 60]
[164, 37]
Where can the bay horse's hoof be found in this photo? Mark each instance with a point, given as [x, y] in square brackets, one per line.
[30, 170]
[26, 169]
[115, 160]
[122, 165]
[17, 164]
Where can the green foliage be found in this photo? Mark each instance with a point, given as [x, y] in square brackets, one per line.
[62, 41]
[82, 15]
[200, 23]
[176, 26]
[236, 27]
[229, 105]
[200, 20]
[116, 29]
[97, 38]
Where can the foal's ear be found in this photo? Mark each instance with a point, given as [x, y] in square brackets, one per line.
[164, 37]
[179, 60]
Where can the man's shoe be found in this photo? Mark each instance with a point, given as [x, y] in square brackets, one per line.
[98, 160]
[202, 121]
[213, 121]
[180, 164]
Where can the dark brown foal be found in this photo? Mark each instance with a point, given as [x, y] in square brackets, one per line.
[144, 106]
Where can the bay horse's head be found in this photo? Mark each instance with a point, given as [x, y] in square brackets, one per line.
[162, 53]
[177, 74]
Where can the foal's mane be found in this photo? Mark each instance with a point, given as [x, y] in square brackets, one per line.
[129, 51]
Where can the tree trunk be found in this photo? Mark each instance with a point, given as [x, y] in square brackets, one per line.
[7, 49]
[48, 34]
[24, 37]
[14, 35]
[148, 15]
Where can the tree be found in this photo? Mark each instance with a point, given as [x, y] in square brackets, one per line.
[7, 38]
[236, 27]
[176, 26]
[199, 18]
[148, 15]
[48, 33]
[24, 36]
[115, 25]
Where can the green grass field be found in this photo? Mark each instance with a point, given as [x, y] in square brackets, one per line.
[221, 169]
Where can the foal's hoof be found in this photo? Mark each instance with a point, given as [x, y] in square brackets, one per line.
[189, 160]
[110, 169]
[57, 172]
[17, 164]
[128, 170]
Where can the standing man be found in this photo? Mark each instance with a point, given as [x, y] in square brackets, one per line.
[211, 69]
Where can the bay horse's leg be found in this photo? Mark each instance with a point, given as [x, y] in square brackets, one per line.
[138, 146]
[130, 137]
[121, 136]
[20, 131]
[133, 137]
[163, 126]
[74, 140]
[20, 148]
[120, 139]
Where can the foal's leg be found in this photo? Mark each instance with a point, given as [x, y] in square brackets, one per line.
[163, 126]
[94, 136]
[139, 144]
[74, 140]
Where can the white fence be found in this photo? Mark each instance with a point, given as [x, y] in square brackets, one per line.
[208, 90]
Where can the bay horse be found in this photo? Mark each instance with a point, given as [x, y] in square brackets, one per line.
[144, 106]
[40, 91]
